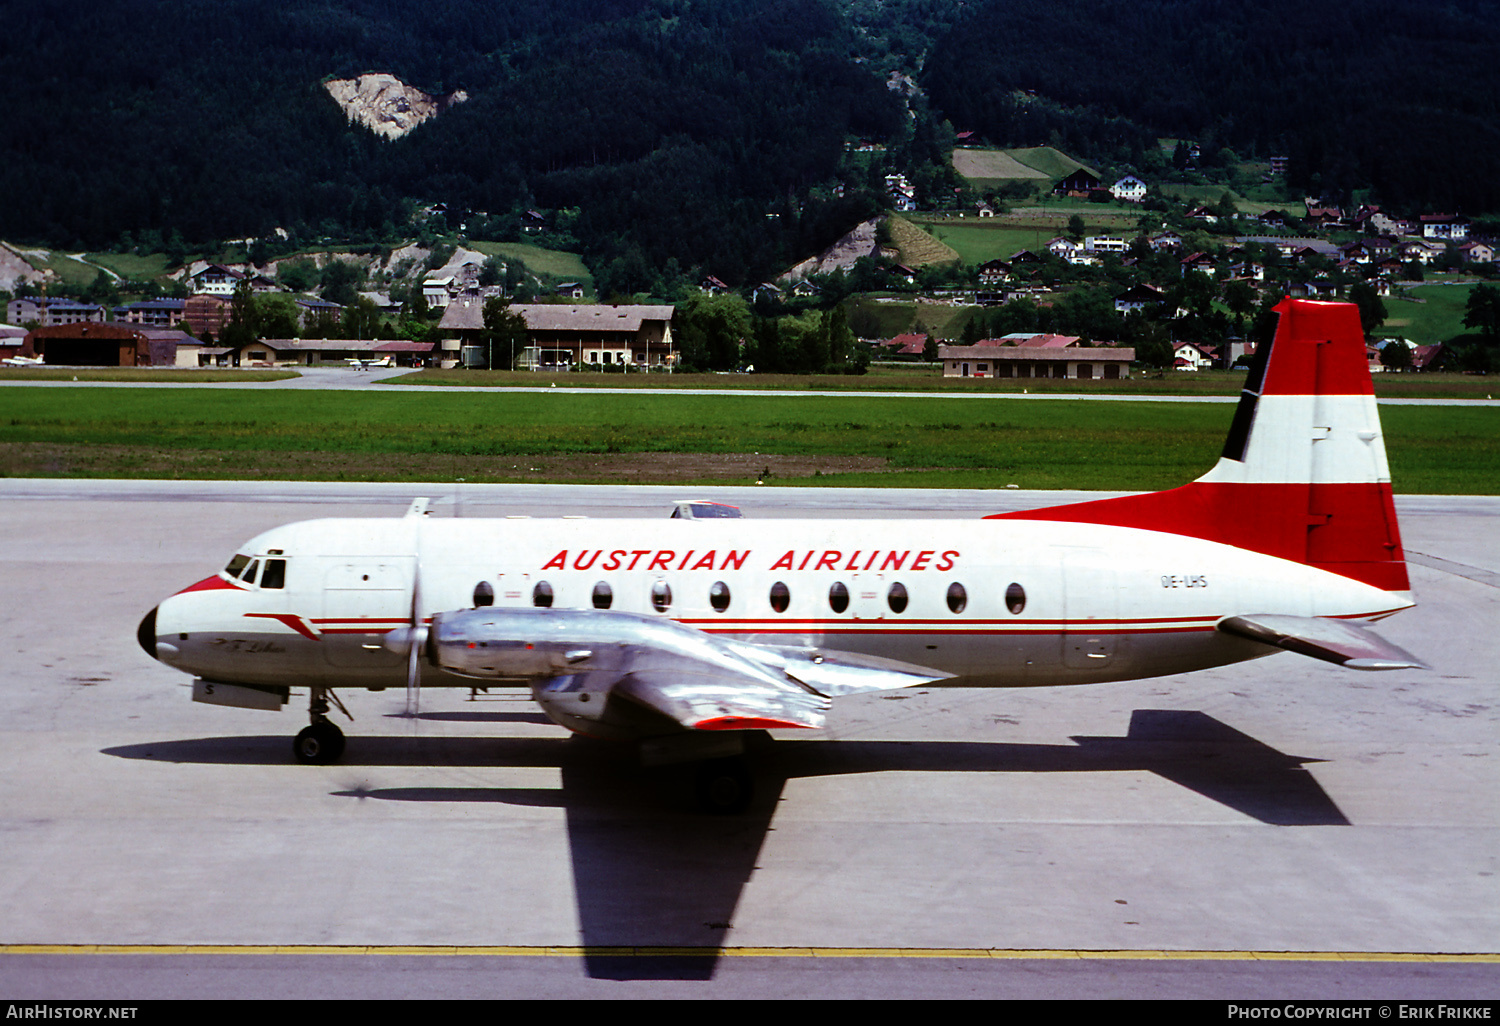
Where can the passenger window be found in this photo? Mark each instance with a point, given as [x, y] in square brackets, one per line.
[274, 575]
[661, 596]
[484, 594]
[718, 596]
[781, 598]
[957, 598]
[1015, 599]
[604, 595]
[541, 595]
[838, 597]
[896, 598]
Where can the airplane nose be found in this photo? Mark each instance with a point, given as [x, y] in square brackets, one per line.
[146, 633]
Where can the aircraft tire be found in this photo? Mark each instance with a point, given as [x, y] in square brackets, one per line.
[318, 744]
[724, 786]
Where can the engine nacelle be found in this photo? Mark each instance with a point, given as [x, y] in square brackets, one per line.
[518, 644]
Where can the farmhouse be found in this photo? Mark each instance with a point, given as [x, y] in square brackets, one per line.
[1129, 189]
[566, 336]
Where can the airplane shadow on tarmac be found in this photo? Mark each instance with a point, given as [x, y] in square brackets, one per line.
[651, 873]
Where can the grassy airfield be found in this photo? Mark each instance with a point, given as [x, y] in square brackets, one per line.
[734, 438]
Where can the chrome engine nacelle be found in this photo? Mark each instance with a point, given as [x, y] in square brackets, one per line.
[520, 644]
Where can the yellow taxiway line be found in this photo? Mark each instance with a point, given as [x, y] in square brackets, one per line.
[578, 951]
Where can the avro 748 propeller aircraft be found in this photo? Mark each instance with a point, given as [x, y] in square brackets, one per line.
[680, 634]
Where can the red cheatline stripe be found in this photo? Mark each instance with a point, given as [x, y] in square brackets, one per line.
[290, 620]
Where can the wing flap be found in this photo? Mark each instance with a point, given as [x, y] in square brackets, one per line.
[835, 673]
[1335, 641]
[718, 701]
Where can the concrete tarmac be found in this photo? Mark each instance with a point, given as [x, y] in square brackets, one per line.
[1166, 837]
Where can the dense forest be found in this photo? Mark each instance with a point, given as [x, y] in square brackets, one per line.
[702, 136]
[1391, 94]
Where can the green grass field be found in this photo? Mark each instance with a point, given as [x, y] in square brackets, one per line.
[1438, 317]
[132, 266]
[550, 263]
[979, 240]
[435, 437]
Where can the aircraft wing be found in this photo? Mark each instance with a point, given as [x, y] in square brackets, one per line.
[1335, 641]
[699, 680]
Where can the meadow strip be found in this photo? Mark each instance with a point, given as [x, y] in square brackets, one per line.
[919, 442]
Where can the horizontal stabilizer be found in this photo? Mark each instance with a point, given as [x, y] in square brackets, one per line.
[1335, 641]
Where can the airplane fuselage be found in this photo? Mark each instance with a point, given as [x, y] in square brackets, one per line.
[991, 603]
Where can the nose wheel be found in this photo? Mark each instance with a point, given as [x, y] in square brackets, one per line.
[319, 743]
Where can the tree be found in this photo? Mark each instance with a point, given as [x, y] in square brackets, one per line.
[340, 282]
[1372, 312]
[361, 319]
[1395, 356]
[710, 329]
[244, 320]
[1076, 227]
[504, 334]
[1482, 312]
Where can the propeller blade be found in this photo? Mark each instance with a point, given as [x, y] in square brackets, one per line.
[416, 638]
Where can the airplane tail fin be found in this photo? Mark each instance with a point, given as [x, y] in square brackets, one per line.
[1303, 475]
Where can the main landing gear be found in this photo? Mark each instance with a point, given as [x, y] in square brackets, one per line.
[321, 742]
[724, 786]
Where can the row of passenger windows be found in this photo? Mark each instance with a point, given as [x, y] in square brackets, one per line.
[780, 596]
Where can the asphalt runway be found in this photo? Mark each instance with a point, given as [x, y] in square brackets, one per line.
[1281, 828]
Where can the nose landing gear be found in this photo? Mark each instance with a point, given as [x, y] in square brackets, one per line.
[321, 742]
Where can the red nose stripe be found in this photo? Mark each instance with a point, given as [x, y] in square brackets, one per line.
[214, 583]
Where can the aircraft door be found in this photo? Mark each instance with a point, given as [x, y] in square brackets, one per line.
[363, 598]
[867, 596]
[1092, 605]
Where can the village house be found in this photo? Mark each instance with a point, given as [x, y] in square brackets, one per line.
[1444, 226]
[216, 280]
[1476, 252]
[1189, 356]
[1129, 189]
[1138, 298]
[1080, 184]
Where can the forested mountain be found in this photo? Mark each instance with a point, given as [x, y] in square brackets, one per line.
[675, 126]
[1394, 94]
[701, 135]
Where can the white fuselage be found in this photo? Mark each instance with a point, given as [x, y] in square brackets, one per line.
[1003, 603]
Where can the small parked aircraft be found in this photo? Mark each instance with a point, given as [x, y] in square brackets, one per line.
[681, 634]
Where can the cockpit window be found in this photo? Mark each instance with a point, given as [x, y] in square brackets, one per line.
[237, 564]
[250, 571]
[274, 575]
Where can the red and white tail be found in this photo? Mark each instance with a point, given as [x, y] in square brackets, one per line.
[1303, 475]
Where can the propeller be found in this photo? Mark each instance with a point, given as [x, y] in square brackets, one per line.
[417, 637]
[413, 636]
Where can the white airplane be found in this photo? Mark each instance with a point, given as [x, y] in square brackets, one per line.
[681, 634]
